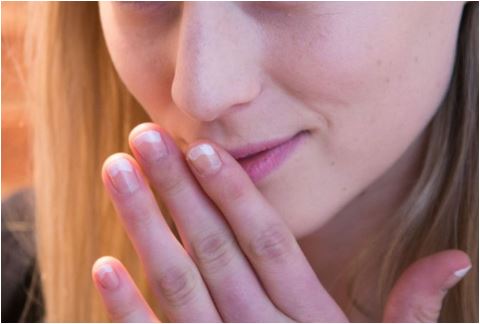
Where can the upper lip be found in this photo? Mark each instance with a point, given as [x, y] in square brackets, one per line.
[250, 149]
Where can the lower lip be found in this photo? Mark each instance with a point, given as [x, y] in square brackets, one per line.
[261, 164]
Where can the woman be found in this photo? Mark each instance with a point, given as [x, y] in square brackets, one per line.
[362, 207]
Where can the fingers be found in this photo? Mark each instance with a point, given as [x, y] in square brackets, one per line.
[418, 294]
[123, 301]
[263, 236]
[172, 274]
[233, 285]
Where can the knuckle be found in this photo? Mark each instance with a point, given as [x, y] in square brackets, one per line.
[234, 189]
[214, 251]
[177, 285]
[426, 313]
[171, 183]
[122, 313]
[138, 213]
[272, 244]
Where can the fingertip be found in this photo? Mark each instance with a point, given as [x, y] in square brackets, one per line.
[121, 297]
[105, 272]
[122, 175]
[103, 260]
[224, 154]
[204, 159]
[136, 133]
[141, 128]
[110, 160]
[460, 272]
[463, 258]
[455, 261]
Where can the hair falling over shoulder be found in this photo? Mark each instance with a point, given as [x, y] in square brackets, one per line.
[83, 113]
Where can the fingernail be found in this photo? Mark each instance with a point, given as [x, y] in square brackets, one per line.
[462, 272]
[455, 278]
[122, 175]
[107, 277]
[150, 145]
[204, 159]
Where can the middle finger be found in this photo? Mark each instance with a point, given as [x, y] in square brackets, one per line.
[234, 286]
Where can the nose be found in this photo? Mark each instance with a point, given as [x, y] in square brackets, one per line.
[217, 64]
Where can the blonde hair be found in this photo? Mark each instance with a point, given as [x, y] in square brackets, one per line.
[83, 113]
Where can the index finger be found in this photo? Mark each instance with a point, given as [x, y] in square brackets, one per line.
[265, 239]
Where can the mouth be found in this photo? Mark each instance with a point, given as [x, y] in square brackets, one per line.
[261, 159]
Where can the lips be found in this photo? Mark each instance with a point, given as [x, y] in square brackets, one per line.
[261, 159]
[253, 149]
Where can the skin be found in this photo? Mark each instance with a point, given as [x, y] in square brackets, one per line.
[363, 78]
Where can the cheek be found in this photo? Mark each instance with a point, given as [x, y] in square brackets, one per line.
[141, 63]
[365, 53]
[397, 79]
[378, 82]
[376, 72]
[143, 73]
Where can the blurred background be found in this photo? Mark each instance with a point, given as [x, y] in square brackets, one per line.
[16, 125]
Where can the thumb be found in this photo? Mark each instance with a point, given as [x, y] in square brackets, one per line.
[418, 294]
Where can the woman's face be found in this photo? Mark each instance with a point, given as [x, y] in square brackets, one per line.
[363, 78]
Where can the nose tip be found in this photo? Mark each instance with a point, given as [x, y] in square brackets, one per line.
[214, 68]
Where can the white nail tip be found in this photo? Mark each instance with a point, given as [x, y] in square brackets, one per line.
[118, 165]
[462, 272]
[149, 136]
[202, 149]
[105, 268]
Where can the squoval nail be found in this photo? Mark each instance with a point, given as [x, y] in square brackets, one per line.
[150, 145]
[122, 175]
[107, 277]
[204, 159]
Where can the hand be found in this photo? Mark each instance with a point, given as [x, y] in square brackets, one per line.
[238, 261]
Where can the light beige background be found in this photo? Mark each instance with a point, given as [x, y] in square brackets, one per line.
[16, 124]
